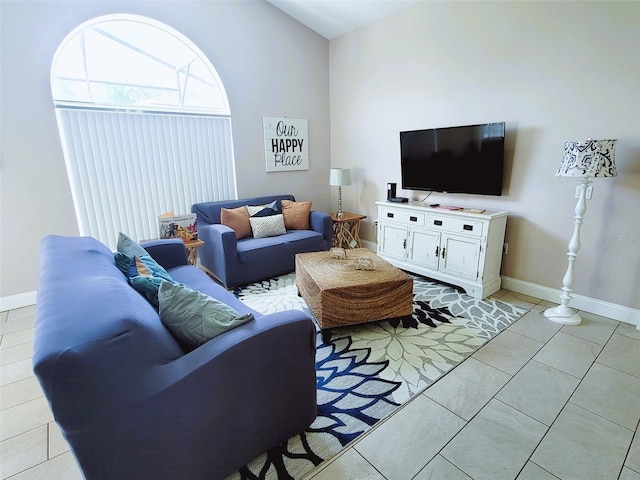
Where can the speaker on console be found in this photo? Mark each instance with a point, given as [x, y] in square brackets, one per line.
[391, 191]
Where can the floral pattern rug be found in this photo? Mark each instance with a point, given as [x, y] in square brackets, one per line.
[366, 371]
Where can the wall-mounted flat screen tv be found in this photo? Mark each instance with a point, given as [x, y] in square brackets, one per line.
[464, 159]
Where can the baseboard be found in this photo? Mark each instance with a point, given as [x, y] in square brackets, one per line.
[591, 305]
[373, 246]
[17, 301]
[580, 302]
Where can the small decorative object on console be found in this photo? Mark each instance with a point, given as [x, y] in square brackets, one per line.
[363, 264]
[338, 253]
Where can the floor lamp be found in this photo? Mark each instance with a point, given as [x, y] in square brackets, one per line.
[588, 159]
[339, 177]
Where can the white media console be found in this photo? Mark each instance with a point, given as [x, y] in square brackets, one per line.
[460, 247]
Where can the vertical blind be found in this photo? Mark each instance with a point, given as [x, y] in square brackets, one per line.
[126, 168]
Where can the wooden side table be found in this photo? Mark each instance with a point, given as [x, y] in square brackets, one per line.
[346, 229]
[192, 250]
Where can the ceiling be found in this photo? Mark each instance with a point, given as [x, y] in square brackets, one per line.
[332, 18]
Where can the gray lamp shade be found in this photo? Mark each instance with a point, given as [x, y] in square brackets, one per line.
[339, 177]
[590, 158]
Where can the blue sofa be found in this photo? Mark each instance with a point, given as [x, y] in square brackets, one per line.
[131, 402]
[239, 262]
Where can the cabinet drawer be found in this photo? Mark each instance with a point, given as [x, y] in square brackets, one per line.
[401, 216]
[454, 225]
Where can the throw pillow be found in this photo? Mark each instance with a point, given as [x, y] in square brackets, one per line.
[265, 210]
[296, 215]
[129, 247]
[148, 287]
[144, 274]
[193, 317]
[146, 266]
[270, 226]
[236, 219]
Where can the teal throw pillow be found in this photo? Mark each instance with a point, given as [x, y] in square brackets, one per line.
[144, 274]
[147, 287]
[193, 317]
[129, 247]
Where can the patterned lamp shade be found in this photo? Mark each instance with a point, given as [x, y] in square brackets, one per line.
[591, 158]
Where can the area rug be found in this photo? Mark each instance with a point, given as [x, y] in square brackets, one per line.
[366, 371]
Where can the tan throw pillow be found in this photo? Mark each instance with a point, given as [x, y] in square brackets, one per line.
[237, 219]
[296, 214]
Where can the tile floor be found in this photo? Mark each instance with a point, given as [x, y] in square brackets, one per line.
[539, 401]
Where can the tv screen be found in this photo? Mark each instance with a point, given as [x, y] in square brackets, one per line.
[465, 159]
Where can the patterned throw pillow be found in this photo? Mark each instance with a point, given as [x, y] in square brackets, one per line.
[237, 219]
[296, 215]
[266, 210]
[270, 226]
[193, 317]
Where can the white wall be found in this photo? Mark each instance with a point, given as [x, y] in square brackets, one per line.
[269, 63]
[554, 71]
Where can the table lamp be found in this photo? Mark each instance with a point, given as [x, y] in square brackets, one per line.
[339, 177]
[587, 159]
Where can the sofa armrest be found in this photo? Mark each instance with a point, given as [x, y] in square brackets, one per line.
[206, 413]
[169, 253]
[262, 371]
[220, 252]
[237, 395]
[321, 223]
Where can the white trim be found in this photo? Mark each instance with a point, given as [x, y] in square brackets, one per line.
[17, 301]
[591, 305]
[373, 246]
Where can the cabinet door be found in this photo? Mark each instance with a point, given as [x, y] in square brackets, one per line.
[392, 240]
[423, 248]
[460, 256]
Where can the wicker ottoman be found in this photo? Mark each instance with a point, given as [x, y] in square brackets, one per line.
[338, 294]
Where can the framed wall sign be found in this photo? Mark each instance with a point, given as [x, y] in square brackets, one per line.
[286, 144]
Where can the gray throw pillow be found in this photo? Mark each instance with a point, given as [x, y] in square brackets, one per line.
[193, 317]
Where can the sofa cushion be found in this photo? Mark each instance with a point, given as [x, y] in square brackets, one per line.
[193, 317]
[270, 226]
[296, 214]
[237, 219]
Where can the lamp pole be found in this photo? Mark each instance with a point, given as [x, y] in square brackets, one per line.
[562, 313]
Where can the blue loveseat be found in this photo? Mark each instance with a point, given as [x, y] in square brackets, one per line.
[131, 402]
[237, 262]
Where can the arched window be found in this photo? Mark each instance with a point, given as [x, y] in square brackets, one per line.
[144, 122]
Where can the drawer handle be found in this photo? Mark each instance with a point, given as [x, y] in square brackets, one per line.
[413, 219]
[437, 222]
[389, 214]
[468, 227]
